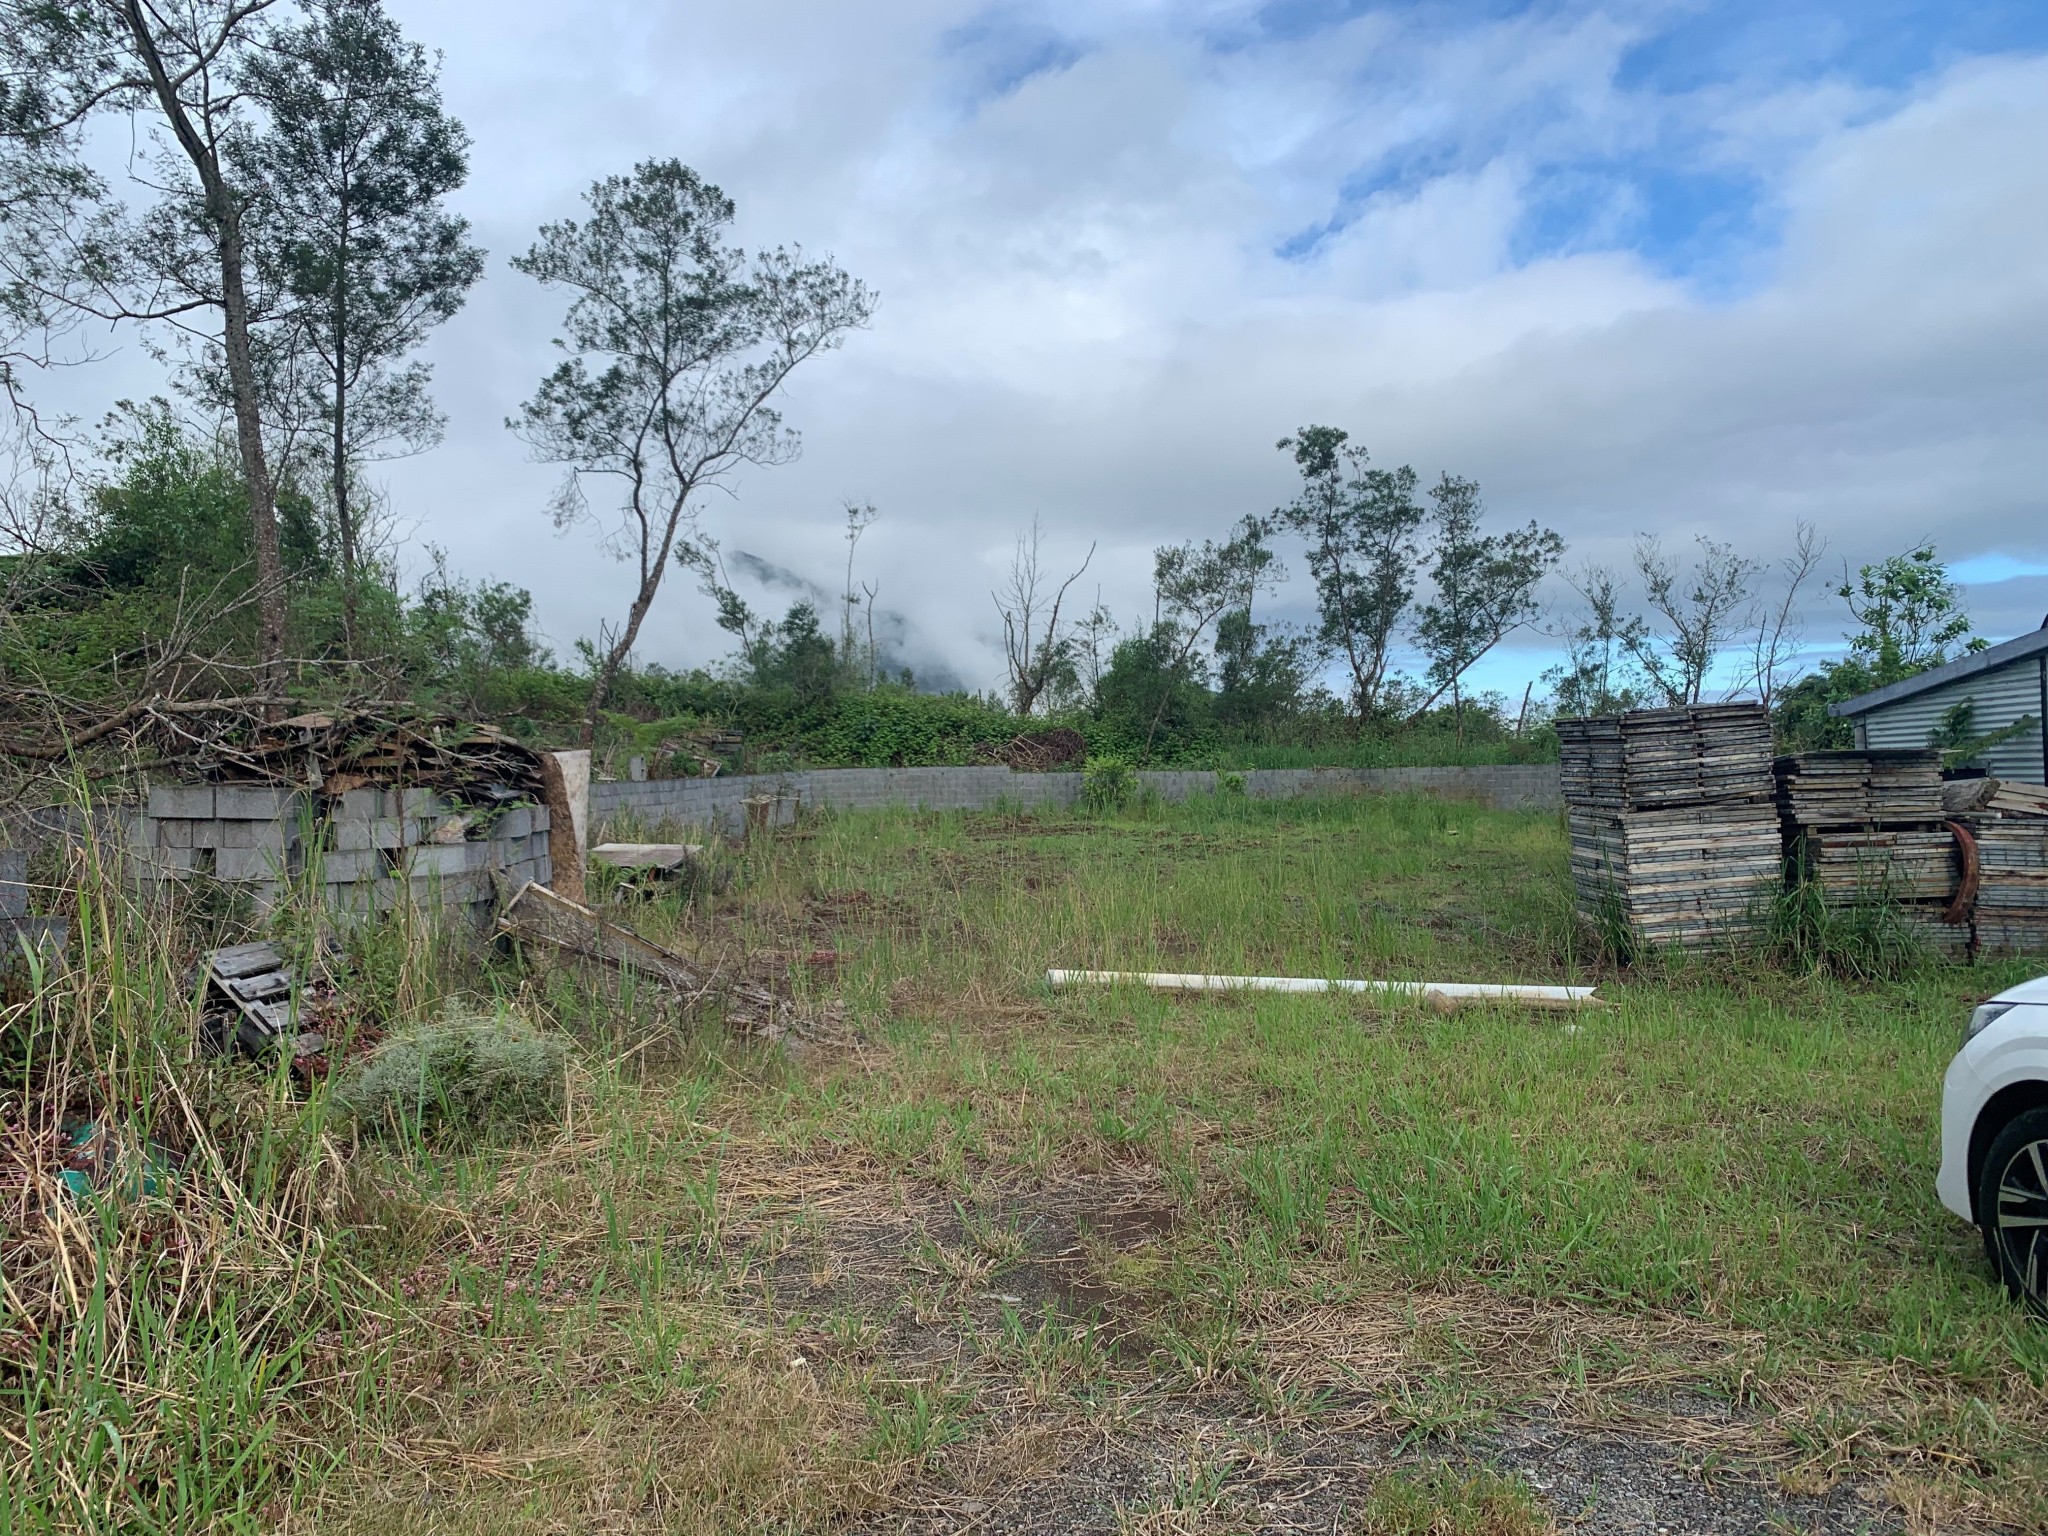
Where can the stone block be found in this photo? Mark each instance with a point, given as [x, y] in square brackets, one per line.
[244, 864]
[174, 834]
[360, 805]
[141, 832]
[514, 824]
[255, 802]
[448, 859]
[269, 836]
[540, 817]
[384, 832]
[194, 802]
[349, 868]
[13, 883]
[170, 864]
[423, 803]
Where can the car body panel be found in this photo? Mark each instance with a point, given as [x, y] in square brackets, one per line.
[2012, 1049]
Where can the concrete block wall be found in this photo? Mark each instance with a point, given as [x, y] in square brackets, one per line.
[722, 804]
[369, 849]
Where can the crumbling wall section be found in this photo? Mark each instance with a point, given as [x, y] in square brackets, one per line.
[367, 850]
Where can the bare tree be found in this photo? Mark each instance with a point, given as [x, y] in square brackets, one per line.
[1777, 631]
[1702, 609]
[859, 518]
[1037, 645]
[677, 345]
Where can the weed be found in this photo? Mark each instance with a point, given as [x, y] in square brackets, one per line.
[1440, 1500]
[468, 1071]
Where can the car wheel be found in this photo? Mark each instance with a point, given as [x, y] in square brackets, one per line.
[2012, 1207]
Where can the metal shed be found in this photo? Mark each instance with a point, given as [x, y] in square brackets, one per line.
[2003, 685]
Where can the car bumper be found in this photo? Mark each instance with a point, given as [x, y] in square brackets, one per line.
[1963, 1093]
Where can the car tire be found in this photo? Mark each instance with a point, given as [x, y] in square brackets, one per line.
[2012, 1207]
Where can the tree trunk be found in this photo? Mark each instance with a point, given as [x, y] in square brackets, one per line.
[227, 231]
[344, 513]
[601, 686]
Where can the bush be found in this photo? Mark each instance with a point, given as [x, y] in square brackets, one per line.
[474, 1071]
[1107, 783]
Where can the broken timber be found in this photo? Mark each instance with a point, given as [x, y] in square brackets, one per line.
[542, 916]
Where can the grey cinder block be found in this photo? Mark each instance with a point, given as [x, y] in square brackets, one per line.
[192, 801]
[384, 832]
[348, 868]
[447, 859]
[360, 805]
[13, 883]
[254, 802]
[423, 803]
[174, 834]
[240, 864]
[515, 823]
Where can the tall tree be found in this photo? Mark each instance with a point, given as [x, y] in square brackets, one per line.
[173, 69]
[1485, 586]
[676, 344]
[1197, 584]
[1702, 609]
[1910, 616]
[352, 164]
[1359, 524]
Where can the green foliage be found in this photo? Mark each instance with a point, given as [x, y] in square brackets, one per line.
[1108, 783]
[1439, 1500]
[463, 1072]
[1911, 614]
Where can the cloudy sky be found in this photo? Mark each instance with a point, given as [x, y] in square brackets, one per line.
[1688, 268]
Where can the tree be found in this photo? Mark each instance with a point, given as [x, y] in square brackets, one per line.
[1260, 675]
[1485, 587]
[677, 344]
[859, 518]
[1597, 676]
[1195, 585]
[351, 168]
[1701, 608]
[1777, 630]
[1038, 649]
[1359, 524]
[175, 68]
[1911, 616]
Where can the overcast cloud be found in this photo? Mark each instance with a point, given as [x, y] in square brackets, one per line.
[1677, 268]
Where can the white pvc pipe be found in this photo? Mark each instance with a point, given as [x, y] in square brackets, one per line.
[1171, 981]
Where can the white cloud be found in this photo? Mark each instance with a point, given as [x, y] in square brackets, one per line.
[1084, 317]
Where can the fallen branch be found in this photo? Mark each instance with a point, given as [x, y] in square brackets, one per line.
[540, 915]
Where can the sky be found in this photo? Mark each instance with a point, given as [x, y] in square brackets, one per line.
[1683, 269]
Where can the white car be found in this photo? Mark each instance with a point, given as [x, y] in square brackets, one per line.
[1994, 1136]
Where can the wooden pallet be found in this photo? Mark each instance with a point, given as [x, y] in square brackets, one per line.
[1873, 787]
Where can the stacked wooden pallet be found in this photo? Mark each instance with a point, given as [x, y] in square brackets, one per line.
[2009, 823]
[1673, 828]
[1866, 826]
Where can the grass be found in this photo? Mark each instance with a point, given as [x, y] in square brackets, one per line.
[1152, 1257]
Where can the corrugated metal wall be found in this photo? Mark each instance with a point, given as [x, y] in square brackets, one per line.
[2002, 696]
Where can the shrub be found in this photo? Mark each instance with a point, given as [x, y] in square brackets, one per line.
[474, 1071]
[1107, 783]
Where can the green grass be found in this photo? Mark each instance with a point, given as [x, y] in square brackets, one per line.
[730, 1290]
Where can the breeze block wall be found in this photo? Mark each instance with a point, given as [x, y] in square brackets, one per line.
[727, 804]
[368, 849]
